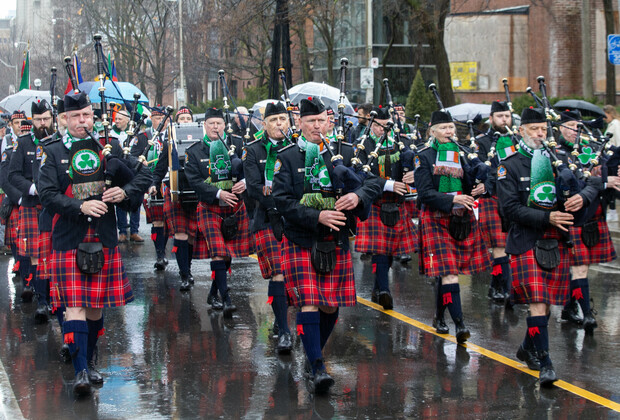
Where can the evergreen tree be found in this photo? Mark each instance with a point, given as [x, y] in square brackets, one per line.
[420, 100]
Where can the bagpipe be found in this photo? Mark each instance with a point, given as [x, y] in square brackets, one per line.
[472, 165]
[54, 98]
[142, 158]
[235, 161]
[289, 108]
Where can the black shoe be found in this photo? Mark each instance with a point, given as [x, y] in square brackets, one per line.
[462, 333]
[185, 284]
[320, 382]
[385, 300]
[374, 297]
[81, 386]
[547, 376]
[27, 294]
[65, 354]
[191, 278]
[285, 344]
[589, 323]
[275, 329]
[440, 325]
[215, 302]
[496, 295]
[570, 313]
[229, 308]
[41, 316]
[94, 376]
[365, 256]
[404, 259]
[529, 357]
[160, 264]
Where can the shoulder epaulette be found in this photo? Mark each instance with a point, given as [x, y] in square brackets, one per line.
[259, 134]
[194, 145]
[287, 147]
[252, 142]
[23, 136]
[422, 149]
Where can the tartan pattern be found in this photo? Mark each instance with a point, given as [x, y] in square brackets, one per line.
[412, 209]
[201, 247]
[45, 251]
[375, 238]
[268, 252]
[532, 284]
[491, 223]
[209, 224]
[72, 288]
[10, 230]
[153, 213]
[305, 286]
[28, 232]
[177, 219]
[603, 252]
[441, 255]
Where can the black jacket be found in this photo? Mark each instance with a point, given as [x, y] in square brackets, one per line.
[11, 191]
[427, 184]
[484, 146]
[72, 225]
[301, 223]
[254, 163]
[23, 171]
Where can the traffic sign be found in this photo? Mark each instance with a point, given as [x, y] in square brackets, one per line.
[367, 78]
[613, 48]
[374, 62]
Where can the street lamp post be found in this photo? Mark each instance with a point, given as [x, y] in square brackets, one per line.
[182, 96]
[17, 44]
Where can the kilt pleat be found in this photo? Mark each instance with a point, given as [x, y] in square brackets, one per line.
[532, 284]
[442, 255]
[374, 237]
[177, 219]
[154, 212]
[268, 252]
[602, 252]
[72, 288]
[28, 232]
[10, 230]
[491, 223]
[45, 253]
[209, 221]
[305, 286]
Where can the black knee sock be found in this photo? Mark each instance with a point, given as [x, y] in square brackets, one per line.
[159, 239]
[76, 337]
[95, 330]
[309, 331]
[326, 325]
[381, 264]
[213, 290]
[219, 268]
[581, 293]
[537, 330]
[451, 295]
[39, 284]
[24, 271]
[496, 274]
[506, 274]
[277, 293]
[190, 255]
[182, 256]
[440, 308]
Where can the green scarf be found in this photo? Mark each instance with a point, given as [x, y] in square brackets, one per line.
[388, 143]
[219, 164]
[505, 148]
[316, 180]
[272, 153]
[542, 181]
[448, 165]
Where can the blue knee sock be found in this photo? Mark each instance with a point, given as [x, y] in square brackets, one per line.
[159, 239]
[40, 286]
[24, 271]
[506, 273]
[308, 330]
[382, 267]
[539, 334]
[581, 293]
[327, 324]
[451, 296]
[219, 268]
[95, 330]
[76, 337]
[182, 250]
[279, 304]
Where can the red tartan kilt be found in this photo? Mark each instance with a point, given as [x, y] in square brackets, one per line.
[45, 251]
[603, 252]
[491, 223]
[305, 286]
[442, 255]
[532, 284]
[178, 220]
[412, 209]
[201, 247]
[10, 230]
[268, 251]
[28, 232]
[374, 237]
[72, 288]
[154, 212]
[209, 224]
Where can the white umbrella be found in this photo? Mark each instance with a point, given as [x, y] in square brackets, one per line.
[328, 94]
[468, 111]
[258, 110]
[22, 100]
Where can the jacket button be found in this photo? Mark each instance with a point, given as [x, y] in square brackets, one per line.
[90, 219]
[527, 189]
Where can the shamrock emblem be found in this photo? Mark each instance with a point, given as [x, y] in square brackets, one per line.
[586, 156]
[547, 193]
[86, 162]
[221, 164]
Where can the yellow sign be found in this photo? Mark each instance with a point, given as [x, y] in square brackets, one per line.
[464, 75]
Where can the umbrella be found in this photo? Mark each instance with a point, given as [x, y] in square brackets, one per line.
[112, 94]
[258, 110]
[328, 94]
[586, 108]
[468, 111]
[22, 100]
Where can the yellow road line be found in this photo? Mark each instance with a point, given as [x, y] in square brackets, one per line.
[605, 402]
[495, 356]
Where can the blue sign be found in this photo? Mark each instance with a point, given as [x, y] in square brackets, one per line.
[613, 48]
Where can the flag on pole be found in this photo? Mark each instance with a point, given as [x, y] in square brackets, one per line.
[77, 71]
[25, 82]
[112, 69]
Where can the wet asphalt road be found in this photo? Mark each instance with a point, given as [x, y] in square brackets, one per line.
[167, 355]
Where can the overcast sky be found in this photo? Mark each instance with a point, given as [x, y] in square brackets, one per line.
[5, 6]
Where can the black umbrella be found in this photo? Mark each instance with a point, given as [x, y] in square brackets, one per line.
[586, 108]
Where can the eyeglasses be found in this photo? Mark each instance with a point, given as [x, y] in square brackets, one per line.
[40, 120]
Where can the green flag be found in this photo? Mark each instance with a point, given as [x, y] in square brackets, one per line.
[25, 83]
